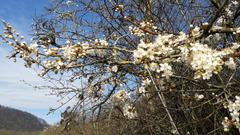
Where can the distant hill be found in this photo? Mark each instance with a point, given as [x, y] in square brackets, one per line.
[16, 120]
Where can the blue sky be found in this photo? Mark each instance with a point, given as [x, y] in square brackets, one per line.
[14, 92]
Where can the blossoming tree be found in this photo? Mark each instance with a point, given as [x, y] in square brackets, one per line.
[181, 57]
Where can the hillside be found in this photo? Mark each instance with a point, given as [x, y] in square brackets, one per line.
[16, 120]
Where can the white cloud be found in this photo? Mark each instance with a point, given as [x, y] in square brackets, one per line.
[15, 93]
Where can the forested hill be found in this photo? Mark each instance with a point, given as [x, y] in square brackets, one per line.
[16, 120]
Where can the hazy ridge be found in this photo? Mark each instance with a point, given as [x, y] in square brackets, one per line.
[17, 120]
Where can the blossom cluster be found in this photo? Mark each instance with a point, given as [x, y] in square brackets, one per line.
[136, 31]
[72, 52]
[51, 51]
[145, 83]
[230, 8]
[55, 63]
[234, 109]
[139, 30]
[205, 60]
[169, 48]
[158, 54]
[228, 13]
[198, 97]
[69, 2]
[129, 111]
[120, 97]
[64, 56]
[53, 56]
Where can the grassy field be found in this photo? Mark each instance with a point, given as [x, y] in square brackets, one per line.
[50, 131]
[86, 129]
[4, 132]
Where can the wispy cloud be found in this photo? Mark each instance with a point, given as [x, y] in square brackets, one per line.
[15, 93]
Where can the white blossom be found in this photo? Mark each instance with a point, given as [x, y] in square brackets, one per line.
[230, 63]
[136, 31]
[114, 68]
[235, 2]
[69, 2]
[166, 69]
[129, 111]
[234, 108]
[120, 96]
[142, 90]
[72, 52]
[146, 82]
[196, 31]
[199, 96]
[51, 51]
